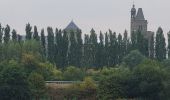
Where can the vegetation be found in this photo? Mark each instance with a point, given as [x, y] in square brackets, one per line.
[109, 68]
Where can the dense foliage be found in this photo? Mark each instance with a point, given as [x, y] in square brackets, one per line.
[115, 66]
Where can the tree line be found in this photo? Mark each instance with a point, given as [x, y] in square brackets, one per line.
[69, 48]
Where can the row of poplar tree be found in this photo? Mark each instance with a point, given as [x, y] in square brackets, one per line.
[68, 48]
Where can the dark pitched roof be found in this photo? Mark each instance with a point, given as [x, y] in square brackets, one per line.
[72, 26]
[140, 15]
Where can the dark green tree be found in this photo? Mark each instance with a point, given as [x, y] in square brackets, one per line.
[100, 51]
[7, 34]
[87, 52]
[93, 47]
[120, 48]
[113, 49]
[160, 46]
[1, 33]
[106, 50]
[28, 31]
[79, 48]
[58, 48]
[152, 47]
[43, 42]
[35, 34]
[72, 49]
[14, 35]
[125, 44]
[133, 41]
[168, 49]
[65, 46]
[50, 47]
[13, 83]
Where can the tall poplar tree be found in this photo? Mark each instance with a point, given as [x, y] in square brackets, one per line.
[106, 50]
[65, 46]
[93, 47]
[72, 49]
[168, 49]
[160, 47]
[58, 48]
[152, 47]
[43, 43]
[28, 32]
[35, 34]
[1, 33]
[120, 48]
[100, 51]
[7, 34]
[14, 35]
[133, 41]
[87, 62]
[50, 39]
[113, 50]
[79, 48]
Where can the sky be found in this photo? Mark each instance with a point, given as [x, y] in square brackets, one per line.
[98, 14]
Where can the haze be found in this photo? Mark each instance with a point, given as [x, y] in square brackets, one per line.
[98, 14]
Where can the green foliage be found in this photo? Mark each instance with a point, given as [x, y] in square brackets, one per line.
[73, 74]
[28, 32]
[147, 80]
[114, 85]
[133, 59]
[13, 83]
[160, 46]
[37, 84]
[7, 34]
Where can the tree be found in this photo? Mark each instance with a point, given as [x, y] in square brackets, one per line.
[87, 52]
[133, 59]
[50, 47]
[1, 33]
[28, 31]
[79, 48]
[35, 34]
[168, 49]
[13, 83]
[72, 49]
[120, 48]
[147, 81]
[133, 41]
[106, 53]
[65, 47]
[37, 85]
[100, 52]
[152, 47]
[113, 49]
[125, 44]
[73, 74]
[58, 48]
[93, 47]
[43, 42]
[14, 35]
[114, 86]
[160, 46]
[7, 34]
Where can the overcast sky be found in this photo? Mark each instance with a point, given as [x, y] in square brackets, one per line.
[87, 14]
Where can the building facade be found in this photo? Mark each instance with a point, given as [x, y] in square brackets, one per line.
[139, 23]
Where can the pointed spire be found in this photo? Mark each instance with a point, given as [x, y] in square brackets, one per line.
[72, 26]
[140, 15]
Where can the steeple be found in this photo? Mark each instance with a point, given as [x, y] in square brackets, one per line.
[71, 26]
[140, 15]
[133, 11]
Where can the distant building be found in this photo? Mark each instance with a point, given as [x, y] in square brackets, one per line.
[139, 23]
[72, 27]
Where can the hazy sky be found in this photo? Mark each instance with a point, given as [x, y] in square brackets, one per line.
[87, 14]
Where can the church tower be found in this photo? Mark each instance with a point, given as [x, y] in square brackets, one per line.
[138, 22]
